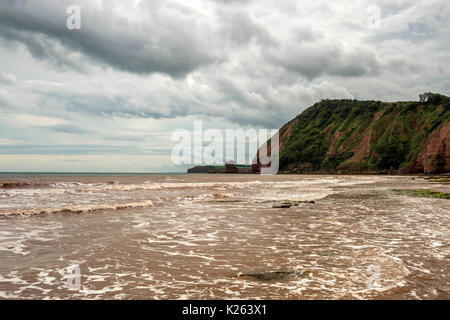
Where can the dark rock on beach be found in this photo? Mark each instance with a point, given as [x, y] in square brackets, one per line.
[282, 206]
[275, 275]
[288, 204]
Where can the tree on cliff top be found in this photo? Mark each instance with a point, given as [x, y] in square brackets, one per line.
[429, 97]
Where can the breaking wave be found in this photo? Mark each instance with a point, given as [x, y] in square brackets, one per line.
[78, 208]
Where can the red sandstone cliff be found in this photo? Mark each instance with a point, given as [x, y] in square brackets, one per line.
[435, 156]
[368, 136]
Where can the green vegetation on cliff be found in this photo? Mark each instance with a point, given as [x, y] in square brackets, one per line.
[357, 136]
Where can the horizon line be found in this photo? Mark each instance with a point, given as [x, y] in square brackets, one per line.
[84, 172]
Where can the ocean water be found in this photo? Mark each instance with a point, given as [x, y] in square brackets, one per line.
[211, 236]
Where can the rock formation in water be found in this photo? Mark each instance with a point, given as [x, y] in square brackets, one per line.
[369, 136]
[229, 167]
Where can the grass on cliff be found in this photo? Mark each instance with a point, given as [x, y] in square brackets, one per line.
[423, 193]
[444, 180]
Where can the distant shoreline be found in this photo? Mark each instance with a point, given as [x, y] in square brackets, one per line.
[93, 173]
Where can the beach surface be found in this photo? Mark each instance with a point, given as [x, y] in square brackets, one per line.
[212, 236]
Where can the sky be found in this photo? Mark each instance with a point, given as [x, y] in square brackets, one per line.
[108, 96]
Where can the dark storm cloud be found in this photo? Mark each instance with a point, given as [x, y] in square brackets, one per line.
[255, 63]
[41, 48]
[171, 40]
[170, 43]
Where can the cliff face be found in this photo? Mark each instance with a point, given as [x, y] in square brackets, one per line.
[369, 136]
[435, 156]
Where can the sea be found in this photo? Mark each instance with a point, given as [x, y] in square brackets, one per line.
[221, 236]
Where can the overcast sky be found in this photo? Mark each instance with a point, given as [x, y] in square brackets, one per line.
[107, 97]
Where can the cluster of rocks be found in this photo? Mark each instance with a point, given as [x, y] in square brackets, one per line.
[288, 204]
[275, 275]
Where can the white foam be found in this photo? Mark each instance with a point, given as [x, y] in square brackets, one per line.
[79, 208]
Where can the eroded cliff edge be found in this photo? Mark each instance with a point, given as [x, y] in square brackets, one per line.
[369, 136]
